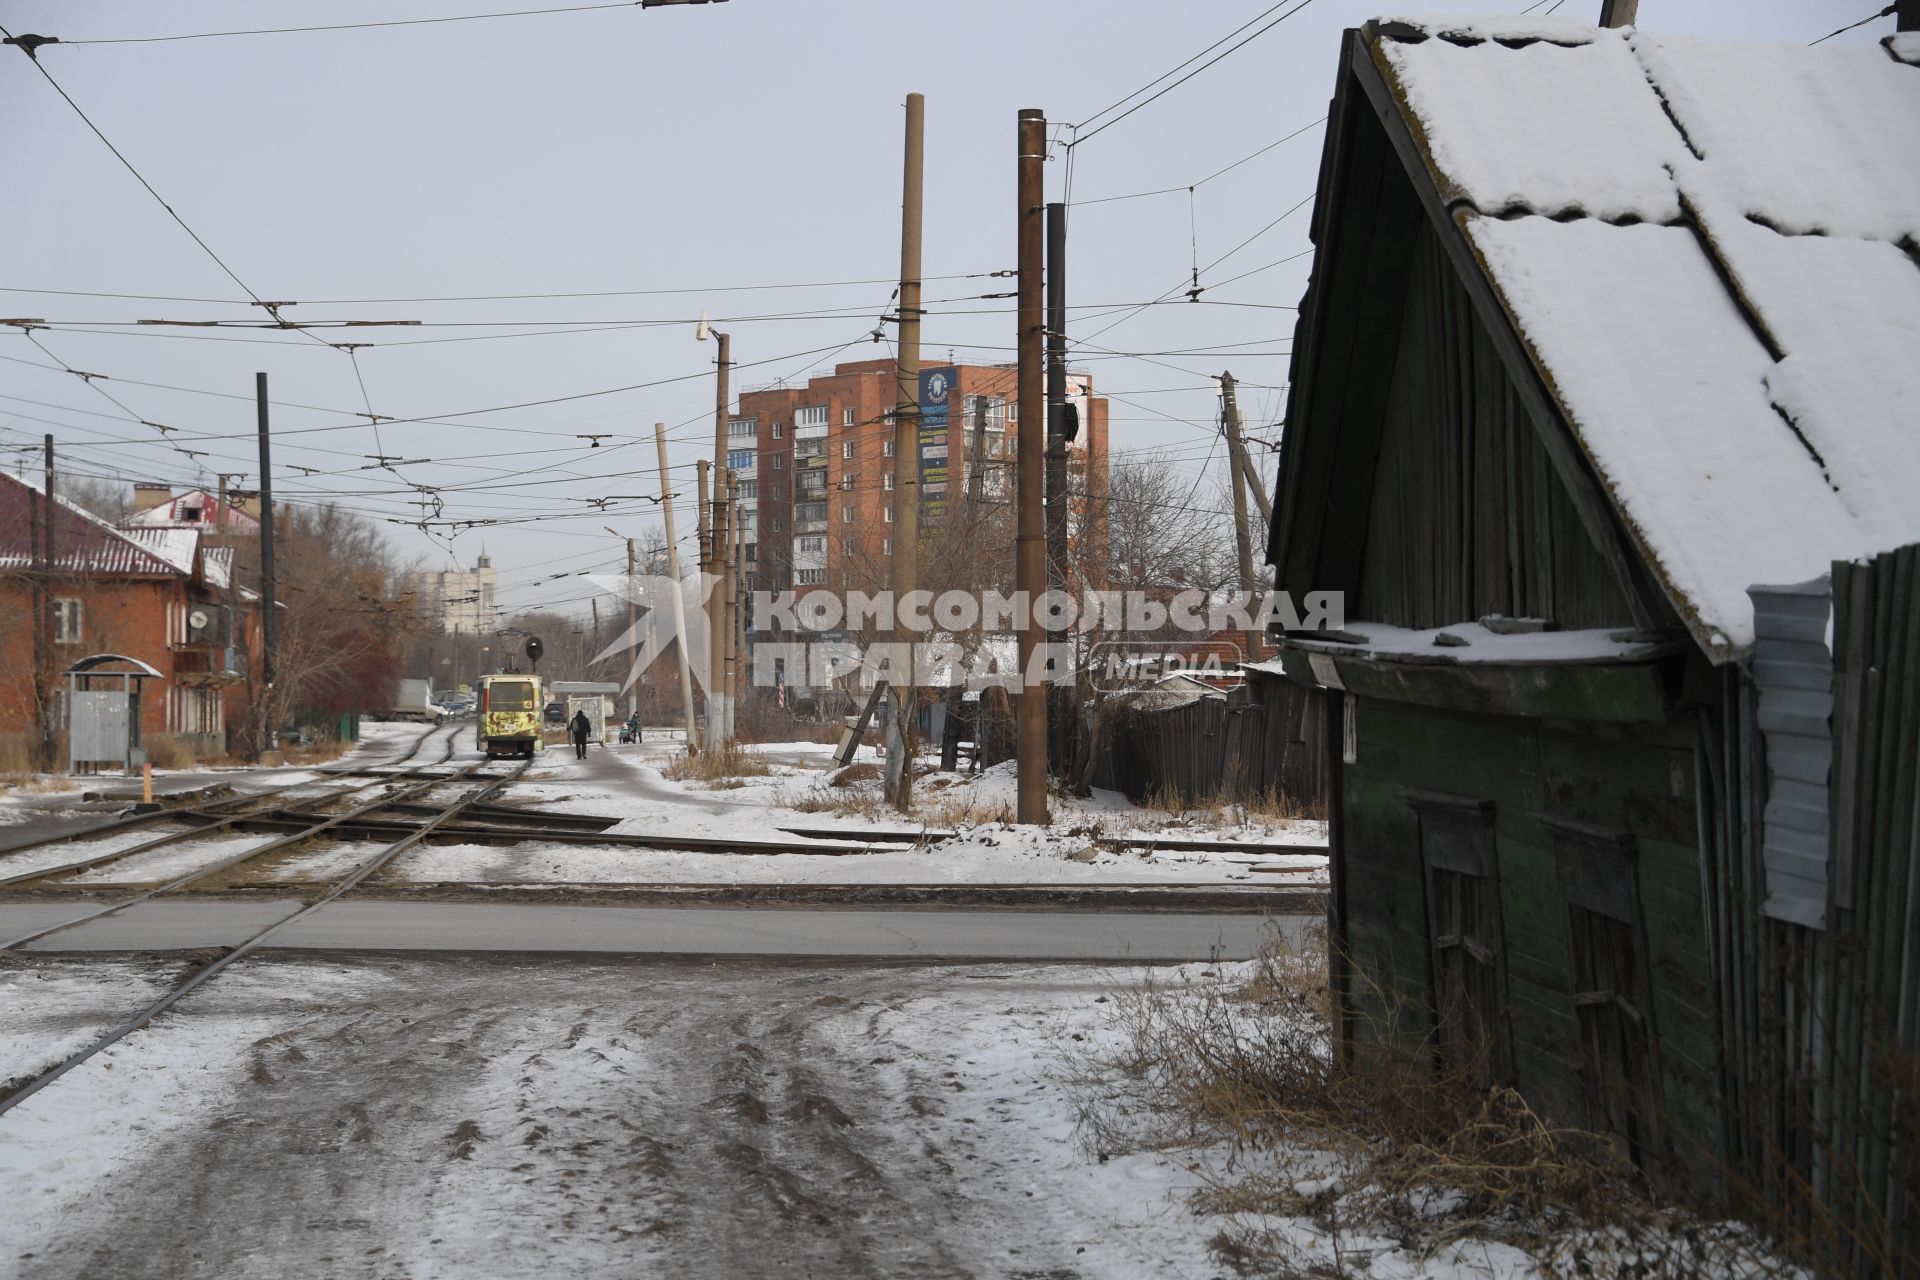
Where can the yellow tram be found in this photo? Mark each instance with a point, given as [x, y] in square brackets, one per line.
[509, 715]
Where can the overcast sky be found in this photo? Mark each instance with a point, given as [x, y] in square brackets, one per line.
[701, 149]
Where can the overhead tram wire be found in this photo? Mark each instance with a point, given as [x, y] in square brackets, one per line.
[1194, 186]
[1887, 12]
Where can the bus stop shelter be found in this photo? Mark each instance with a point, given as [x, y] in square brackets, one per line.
[103, 712]
[595, 697]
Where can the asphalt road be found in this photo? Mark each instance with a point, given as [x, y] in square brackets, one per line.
[521, 927]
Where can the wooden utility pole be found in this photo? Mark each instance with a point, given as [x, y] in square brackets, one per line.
[1619, 13]
[1237, 450]
[1030, 544]
[905, 568]
[1242, 536]
[673, 571]
[737, 675]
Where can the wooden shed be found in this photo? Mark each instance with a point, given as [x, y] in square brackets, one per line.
[1604, 331]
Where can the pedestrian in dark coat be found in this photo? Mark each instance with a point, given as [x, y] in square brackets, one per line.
[581, 727]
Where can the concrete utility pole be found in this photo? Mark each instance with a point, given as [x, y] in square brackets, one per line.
[906, 442]
[673, 570]
[633, 620]
[1619, 13]
[710, 537]
[736, 604]
[1237, 451]
[266, 561]
[1030, 548]
[720, 599]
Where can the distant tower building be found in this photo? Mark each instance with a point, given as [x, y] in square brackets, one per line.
[464, 598]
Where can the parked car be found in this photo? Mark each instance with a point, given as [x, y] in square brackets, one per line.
[556, 713]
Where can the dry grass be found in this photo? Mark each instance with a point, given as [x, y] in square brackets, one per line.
[17, 771]
[716, 767]
[167, 752]
[1393, 1146]
[1265, 808]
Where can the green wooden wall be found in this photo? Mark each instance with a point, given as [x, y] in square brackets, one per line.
[1636, 778]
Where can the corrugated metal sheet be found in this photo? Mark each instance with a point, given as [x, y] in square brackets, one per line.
[1793, 673]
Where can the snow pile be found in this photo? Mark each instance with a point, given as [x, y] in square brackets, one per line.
[1722, 308]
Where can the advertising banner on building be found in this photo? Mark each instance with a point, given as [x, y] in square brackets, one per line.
[936, 390]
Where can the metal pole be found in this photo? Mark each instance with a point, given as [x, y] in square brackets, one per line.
[1619, 13]
[673, 571]
[41, 522]
[1906, 15]
[906, 433]
[633, 620]
[1030, 549]
[266, 555]
[1057, 395]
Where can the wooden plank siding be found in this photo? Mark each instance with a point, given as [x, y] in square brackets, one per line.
[1467, 516]
[1634, 779]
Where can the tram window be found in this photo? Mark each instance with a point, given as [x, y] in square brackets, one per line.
[510, 695]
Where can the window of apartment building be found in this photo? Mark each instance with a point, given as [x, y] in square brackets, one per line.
[846, 417]
[812, 544]
[889, 514]
[846, 546]
[810, 416]
[886, 482]
[66, 622]
[749, 490]
[886, 448]
[815, 448]
[809, 577]
[846, 515]
[749, 427]
[846, 448]
[846, 481]
[811, 513]
[753, 549]
[779, 462]
[886, 546]
[740, 460]
[779, 430]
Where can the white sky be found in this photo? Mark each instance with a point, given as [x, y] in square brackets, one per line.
[747, 143]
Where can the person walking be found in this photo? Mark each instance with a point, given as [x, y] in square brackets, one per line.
[581, 727]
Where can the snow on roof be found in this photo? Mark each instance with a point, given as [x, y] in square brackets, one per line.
[193, 509]
[1701, 245]
[1473, 642]
[175, 546]
[82, 541]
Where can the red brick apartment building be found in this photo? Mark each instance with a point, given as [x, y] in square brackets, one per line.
[163, 595]
[817, 467]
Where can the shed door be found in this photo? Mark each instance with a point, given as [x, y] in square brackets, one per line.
[1464, 934]
[1612, 1000]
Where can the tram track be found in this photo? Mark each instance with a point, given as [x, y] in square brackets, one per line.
[259, 937]
[375, 769]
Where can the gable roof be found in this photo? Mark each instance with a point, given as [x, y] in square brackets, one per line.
[1710, 257]
[204, 508]
[82, 541]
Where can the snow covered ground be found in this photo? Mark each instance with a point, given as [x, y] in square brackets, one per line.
[627, 783]
[514, 1117]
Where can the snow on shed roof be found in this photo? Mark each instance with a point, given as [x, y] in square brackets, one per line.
[82, 541]
[1710, 250]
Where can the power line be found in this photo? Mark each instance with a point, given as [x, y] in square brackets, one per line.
[1193, 186]
[1872, 17]
[355, 26]
[1080, 137]
[204, 246]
